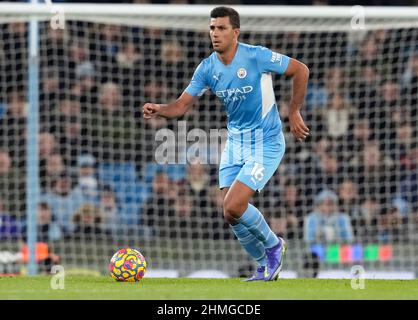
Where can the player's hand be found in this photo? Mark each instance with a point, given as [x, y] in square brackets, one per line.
[298, 127]
[150, 110]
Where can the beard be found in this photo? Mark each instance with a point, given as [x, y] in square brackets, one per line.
[218, 50]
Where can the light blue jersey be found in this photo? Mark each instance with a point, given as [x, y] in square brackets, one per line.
[245, 88]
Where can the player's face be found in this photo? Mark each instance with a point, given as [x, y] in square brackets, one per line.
[222, 34]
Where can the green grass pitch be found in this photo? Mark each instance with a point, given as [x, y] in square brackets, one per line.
[103, 288]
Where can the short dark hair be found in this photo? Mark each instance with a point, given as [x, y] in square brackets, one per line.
[220, 12]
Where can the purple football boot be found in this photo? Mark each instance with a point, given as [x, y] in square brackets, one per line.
[258, 275]
[275, 257]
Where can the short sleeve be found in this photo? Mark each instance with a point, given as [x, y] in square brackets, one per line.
[270, 61]
[197, 85]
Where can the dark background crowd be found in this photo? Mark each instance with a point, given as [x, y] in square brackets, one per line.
[354, 179]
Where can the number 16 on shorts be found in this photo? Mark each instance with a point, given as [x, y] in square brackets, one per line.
[257, 173]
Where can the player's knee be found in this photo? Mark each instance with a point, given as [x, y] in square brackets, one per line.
[232, 210]
[229, 219]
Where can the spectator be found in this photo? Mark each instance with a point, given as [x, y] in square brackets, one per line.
[48, 99]
[69, 130]
[337, 116]
[110, 35]
[374, 173]
[48, 229]
[366, 225]
[50, 87]
[319, 95]
[15, 47]
[380, 120]
[334, 82]
[368, 50]
[72, 140]
[155, 90]
[278, 224]
[402, 144]
[197, 182]
[9, 225]
[50, 169]
[316, 96]
[327, 174]
[288, 211]
[69, 107]
[172, 52]
[410, 89]
[391, 227]
[183, 224]
[326, 224]
[129, 65]
[319, 92]
[56, 44]
[47, 145]
[110, 209]
[173, 65]
[89, 222]
[158, 211]
[212, 223]
[129, 56]
[152, 38]
[13, 127]
[349, 199]
[366, 88]
[151, 127]
[79, 55]
[408, 189]
[111, 127]
[309, 165]
[12, 185]
[357, 137]
[88, 186]
[63, 201]
[83, 73]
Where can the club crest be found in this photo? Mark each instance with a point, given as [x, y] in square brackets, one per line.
[241, 73]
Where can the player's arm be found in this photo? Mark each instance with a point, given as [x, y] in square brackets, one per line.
[300, 75]
[179, 107]
[172, 110]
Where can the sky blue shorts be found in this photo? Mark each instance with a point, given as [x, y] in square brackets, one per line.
[251, 163]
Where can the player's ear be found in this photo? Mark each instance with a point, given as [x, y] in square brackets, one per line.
[237, 32]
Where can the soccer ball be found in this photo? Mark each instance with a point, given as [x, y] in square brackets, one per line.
[127, 265]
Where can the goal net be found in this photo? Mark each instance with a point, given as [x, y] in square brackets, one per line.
[346, 196]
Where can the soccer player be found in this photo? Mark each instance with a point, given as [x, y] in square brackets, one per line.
[240, 75]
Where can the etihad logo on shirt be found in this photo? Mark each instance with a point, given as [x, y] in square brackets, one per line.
[234, 94]
[276, 57]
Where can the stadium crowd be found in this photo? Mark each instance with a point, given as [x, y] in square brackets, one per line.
[354, 179]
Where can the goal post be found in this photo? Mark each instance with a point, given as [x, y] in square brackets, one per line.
[101, 187]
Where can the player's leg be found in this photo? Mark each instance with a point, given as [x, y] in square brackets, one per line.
[238, 210]
[254, 222]
[253, 177]
[249, 242]
[253, 246]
